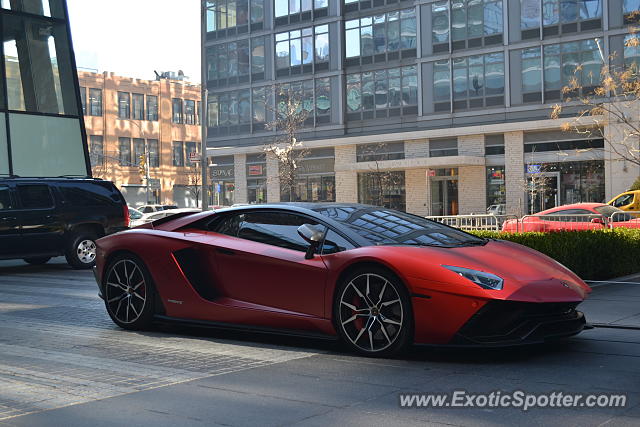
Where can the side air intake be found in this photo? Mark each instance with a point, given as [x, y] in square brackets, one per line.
[191, 264]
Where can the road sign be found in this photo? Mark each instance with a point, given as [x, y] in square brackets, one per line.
[154, 184]
[431, 172]
[194, 156]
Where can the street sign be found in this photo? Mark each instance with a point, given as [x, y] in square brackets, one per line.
[431, 172]
[154, 184]
[194, 156]
[255, 170]
[218, 188]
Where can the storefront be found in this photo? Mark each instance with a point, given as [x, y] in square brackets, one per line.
[387, 188]
[222, 181]
[444, 192]
[256, 178]
[315, 180]
[496, 189]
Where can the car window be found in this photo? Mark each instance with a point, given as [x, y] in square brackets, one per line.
[608, 211]
[5, 198]
[35, 196]
[625, 199]
[134, 214]
[272, 228]
[87, 195]
[147, 209]
[333, 243]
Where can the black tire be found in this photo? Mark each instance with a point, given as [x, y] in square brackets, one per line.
[37, 261]
[384, 316]
[129, 293]
[77, 257]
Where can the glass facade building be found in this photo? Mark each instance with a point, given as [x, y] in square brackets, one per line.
[41, 128]
[399, 72]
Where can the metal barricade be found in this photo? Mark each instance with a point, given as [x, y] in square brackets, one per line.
[560, 222]
[625, 219]
[481, 222]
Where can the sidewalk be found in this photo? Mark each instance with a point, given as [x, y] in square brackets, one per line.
[614, 304]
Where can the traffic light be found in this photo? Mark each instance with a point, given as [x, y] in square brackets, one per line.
[142, 165]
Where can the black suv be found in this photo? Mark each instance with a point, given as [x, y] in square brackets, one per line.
[43, 218]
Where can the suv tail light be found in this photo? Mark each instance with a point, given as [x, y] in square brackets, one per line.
[126, 215]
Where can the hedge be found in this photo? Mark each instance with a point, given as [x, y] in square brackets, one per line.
[592, 254]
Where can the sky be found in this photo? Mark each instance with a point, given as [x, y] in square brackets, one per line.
[132, 38]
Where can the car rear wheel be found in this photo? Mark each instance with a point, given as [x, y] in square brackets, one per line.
[129, 293]
[81, 250]
[372, 311]
[37, 261]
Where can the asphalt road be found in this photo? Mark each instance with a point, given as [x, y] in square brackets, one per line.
[63, 363]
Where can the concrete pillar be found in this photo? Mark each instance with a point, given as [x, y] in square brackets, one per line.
[471, 145]
[416, 148]
[346, 180]
[416, 189]
[273, 179]
[514, 172]
[240, 174]
[472, 190]
[620, 174]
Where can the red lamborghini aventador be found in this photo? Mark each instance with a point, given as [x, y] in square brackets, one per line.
[375, 278]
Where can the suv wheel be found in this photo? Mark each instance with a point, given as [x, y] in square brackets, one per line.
[81, 250]
[37, 261]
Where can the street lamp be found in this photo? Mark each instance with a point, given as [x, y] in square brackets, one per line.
[204, 103]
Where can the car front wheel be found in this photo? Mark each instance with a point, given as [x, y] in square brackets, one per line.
[372, 311]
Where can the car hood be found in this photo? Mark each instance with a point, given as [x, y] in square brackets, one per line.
[528, 275]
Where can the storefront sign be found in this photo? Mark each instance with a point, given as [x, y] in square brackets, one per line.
[312, 166]
[431, 172]
[222, 172]
[255, 170]
[534, 168]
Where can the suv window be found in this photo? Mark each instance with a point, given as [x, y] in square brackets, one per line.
[272, 228]
[5, 198]
[35, 196]
[87, 195]
[623, 200]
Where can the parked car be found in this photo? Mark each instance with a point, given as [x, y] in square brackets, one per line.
[375, 278]
[577, 216]
[155, 208]
[627, 201]
[134, 214]
[500, 209]
[44, 218]
[153, 216]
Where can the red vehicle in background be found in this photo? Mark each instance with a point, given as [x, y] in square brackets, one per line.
[574, 217]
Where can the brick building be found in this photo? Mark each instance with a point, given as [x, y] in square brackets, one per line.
[128, 120]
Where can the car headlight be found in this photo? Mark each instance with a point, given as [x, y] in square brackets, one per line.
[480, 278]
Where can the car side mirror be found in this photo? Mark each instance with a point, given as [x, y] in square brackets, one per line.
[311, 235]
[597, 221]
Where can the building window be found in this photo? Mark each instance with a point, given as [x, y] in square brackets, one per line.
[531, 75]
[380, 151]
[83, 99]
[256, 178]
[383, 189]
[317, 104]
[124, 105]
[381, 38]
[257, 58]
[154, 153]
[124, 151]
[230, 113]
[178, 153]
[139, 152]
[494, 144]
[302, 51]
[293, 11]
[190, 112]
[95, 102]
[631, 11]
[478, 82]
[565, 61]
[226, 18]
[468, 24]
[190, 147]
[260, 98]
[176, 109]
[152, 108]
[382, 93]
[37, 65]
[632, 51]
[559, 17]
[362, 5]
[138, 106]
[96, 150]
[199, 112]
[443, 147]
[496, 190]
[228, 63]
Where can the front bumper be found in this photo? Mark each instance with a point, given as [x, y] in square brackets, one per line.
[98, 281]
[505, 323]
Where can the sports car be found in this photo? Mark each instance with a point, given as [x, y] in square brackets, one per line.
[374, 278]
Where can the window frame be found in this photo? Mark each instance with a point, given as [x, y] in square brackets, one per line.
[124, 105]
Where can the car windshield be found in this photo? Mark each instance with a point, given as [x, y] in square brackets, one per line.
[134, 214]
[381, 226]
[608, 211]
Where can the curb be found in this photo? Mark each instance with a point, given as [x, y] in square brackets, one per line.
[630, 279]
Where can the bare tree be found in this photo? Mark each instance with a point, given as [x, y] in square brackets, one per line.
[611, 99]
[194, 177]
[289, 117]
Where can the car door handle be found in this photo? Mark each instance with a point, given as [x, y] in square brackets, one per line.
[8, 218]
[225, 251]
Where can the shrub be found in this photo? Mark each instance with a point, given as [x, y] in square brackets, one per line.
[635, 185]
[592, 254]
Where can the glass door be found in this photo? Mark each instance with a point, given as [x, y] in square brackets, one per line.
[542, 191]
[444, 197]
